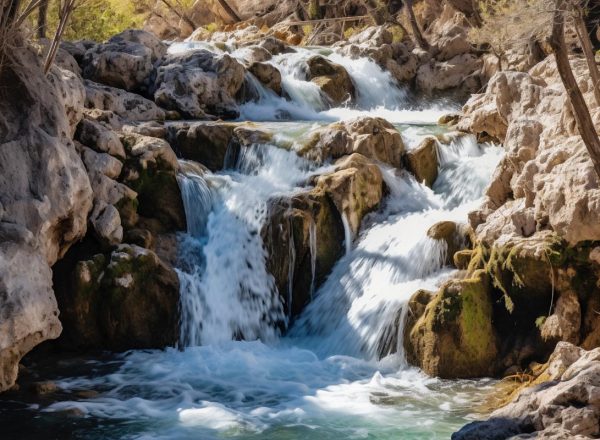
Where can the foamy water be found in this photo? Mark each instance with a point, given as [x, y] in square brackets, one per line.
[324, 378]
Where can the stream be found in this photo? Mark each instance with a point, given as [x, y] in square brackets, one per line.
[323, 377]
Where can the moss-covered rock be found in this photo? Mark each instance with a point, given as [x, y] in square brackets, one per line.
[123, 300]
[455, 337]
[423, 161]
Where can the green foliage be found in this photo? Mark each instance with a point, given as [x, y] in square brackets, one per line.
[97, 20]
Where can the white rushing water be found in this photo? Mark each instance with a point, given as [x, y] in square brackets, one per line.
[324, 379]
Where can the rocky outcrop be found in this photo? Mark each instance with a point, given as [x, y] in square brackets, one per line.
[45, 197]
[562, 402]
[125, 61]
[528, 193]
[128, 106]
[331, 78]
[374, 138]
[460, 71]
[123, 300]
[199, 82]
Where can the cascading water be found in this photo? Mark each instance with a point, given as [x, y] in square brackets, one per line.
[324, 379]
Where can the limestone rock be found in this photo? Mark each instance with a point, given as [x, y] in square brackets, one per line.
[126, 300]
[423, 162]
[119, 63]
[206, 143]
[146, 39]
[454, 337]
[331, 78]
[28, 310]
[356, 188]
[454, 236]
[374, 138]
[567, 407]
[292, 224]
[199, 82]
[107, 225]
[267, 74]
[443, 75]
[126, 105]
[96, 136]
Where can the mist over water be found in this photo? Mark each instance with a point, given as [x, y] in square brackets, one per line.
[324, 378]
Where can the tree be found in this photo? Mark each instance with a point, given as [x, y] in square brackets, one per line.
[580, 109]
[42, 24]
[421, 41]
[586, 45]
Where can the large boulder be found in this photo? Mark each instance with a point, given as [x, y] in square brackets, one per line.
[28, 310]
[423, 161]
[460, 71]
[303, 236]
[454, 337]
[118, 301]
[128, 106]
[355, 187]
[268, 75]
[125, 61]
[203, 142]
[374, 138]
[45, 197]
[199, 82]
[331, 78]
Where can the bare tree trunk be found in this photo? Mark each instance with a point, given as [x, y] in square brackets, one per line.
[42, 19]
[588, 50]
[234, 16]
[181, 14]
[421, 41]
[582, 114]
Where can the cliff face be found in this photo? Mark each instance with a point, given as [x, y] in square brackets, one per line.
[45, 197]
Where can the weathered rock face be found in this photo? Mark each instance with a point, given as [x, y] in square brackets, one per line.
[127, 299]
[565, 407]
[459, 71]
[454, 336]
[300, 229]
[355, 187]
[125, 61]
[128, 106]
[374, 138]
[529, 193]
[423, 161]
[198, 82]
[206, 143]
[267, 74]
[45, 197]
[331, 78]
[28, 310]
